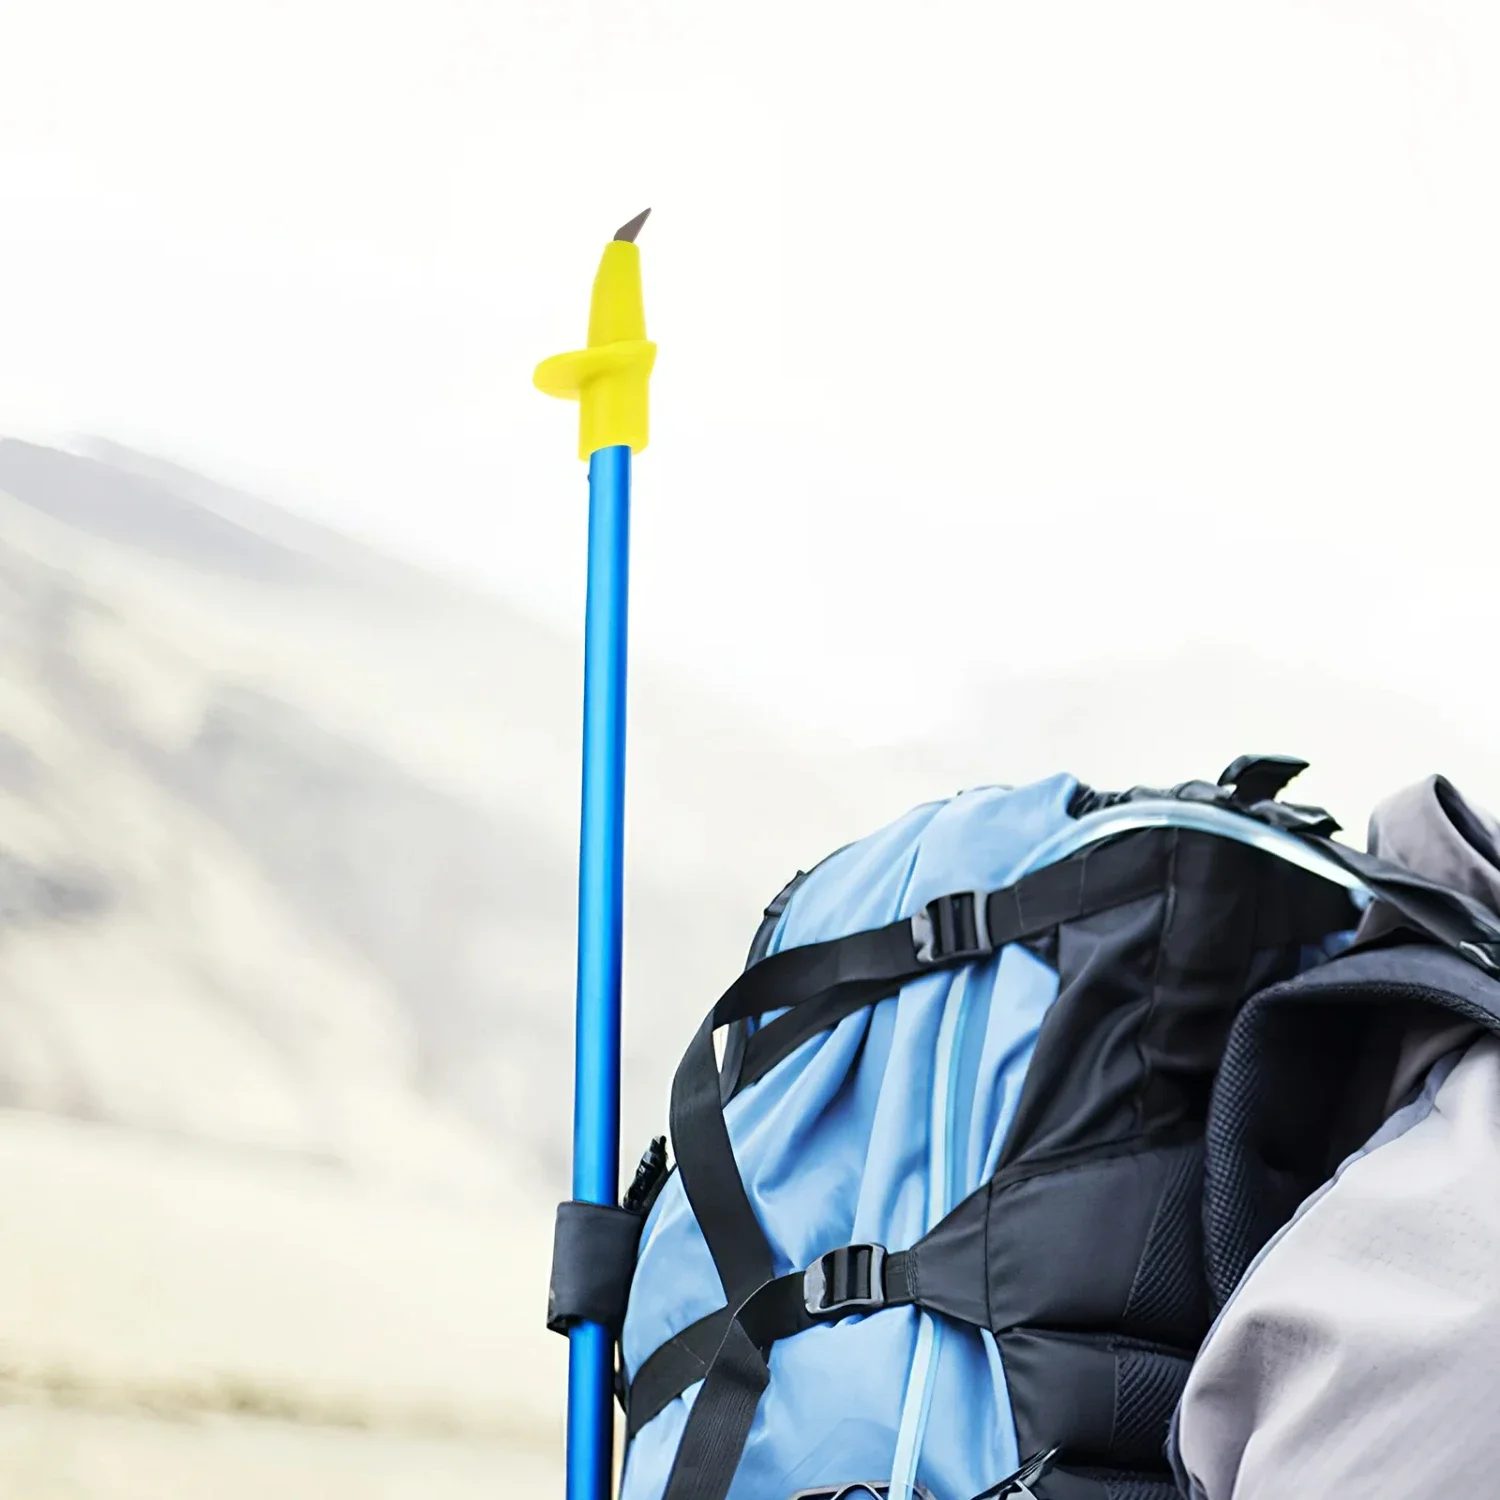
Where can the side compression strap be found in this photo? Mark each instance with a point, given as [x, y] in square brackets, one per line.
[776, 1041]
[853, 1281]
[739, 1032]
[1446, 916]
[951, 930]
[705, 1158]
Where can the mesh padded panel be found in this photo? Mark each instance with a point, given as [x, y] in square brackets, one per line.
[1147, 1389]
[1141, 1489]
[1169, 1294]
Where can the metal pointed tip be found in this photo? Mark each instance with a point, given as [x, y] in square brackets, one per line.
[629, 231]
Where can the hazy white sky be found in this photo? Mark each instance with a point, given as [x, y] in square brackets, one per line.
[994, 336]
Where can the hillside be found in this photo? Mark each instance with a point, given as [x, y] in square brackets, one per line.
[287, 838]
[349, 796]
[287, 842]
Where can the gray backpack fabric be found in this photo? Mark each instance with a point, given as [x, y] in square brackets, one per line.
[1361, 1354]
[1357, 1346]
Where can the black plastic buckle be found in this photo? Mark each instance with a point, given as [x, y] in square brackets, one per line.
[847, 1280]
[866, 1489]
[953, 929]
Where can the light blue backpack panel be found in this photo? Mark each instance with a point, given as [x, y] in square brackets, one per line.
[870, 1133]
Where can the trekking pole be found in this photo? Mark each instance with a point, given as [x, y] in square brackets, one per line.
[609, 381]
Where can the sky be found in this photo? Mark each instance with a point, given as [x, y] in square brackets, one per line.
[996, 338]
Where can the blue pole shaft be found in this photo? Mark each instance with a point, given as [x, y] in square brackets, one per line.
[596, 1075]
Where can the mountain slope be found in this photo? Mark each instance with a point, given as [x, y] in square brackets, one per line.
[392, 767]
[286, 932]
[287, 853]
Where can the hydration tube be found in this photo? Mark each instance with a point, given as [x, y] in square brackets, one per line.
[1196, 817]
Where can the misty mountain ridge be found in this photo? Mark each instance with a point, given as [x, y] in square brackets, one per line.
[381, 769]
[287, 881]
[241, 752]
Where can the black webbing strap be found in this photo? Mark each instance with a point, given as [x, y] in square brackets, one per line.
[854, 1278]
[1445, 916]
[953, 929]
[776, 1041]
[851, 1282]
[710, 1450]
[739, 1032]
[705, 1158]
[673, 1368]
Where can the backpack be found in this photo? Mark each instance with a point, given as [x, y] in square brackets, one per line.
[1355, 1277]
[937, 1220]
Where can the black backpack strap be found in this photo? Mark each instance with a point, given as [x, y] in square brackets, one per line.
[850, 1280]
[1445, 916]
[951, 930]
[854, 1279]
[1279, 1095]
[735, 1043]
[700, 1138]
[838, 977]
[730, 1079]
[776, 1041]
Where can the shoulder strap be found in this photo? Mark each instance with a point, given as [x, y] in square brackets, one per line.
[1273, 1130]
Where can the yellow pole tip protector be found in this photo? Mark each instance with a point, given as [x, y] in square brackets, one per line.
[610, 378]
